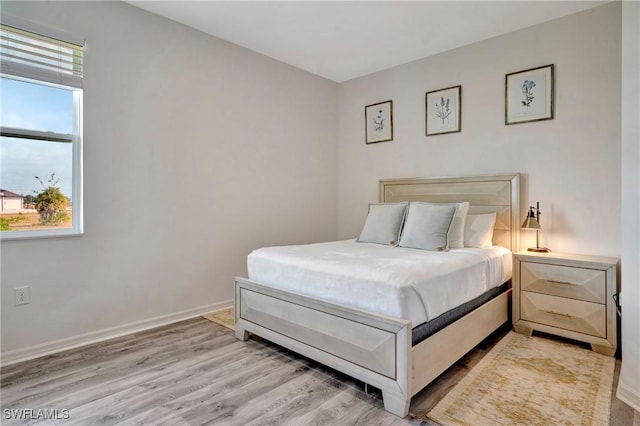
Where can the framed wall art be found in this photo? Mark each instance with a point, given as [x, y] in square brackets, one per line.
[529, 95]
[379, 122]
[443, 111]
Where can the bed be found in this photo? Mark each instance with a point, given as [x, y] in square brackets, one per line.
[381, 349]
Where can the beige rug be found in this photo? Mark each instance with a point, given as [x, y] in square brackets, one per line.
[531, 381]
[224, 317]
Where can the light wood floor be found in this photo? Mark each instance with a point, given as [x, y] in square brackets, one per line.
[195, 372]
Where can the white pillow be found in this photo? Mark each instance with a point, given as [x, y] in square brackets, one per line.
[383, 224]
[456, 233]
[478, 230]
[427, 226]
[455, 239]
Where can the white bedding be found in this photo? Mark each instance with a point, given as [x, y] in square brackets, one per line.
[416, 285]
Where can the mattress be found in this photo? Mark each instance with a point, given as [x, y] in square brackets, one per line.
[412, 284]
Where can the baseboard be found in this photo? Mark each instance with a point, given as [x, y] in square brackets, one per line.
[54, 346]
[629, 396]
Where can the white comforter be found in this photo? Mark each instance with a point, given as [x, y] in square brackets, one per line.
[413, 284]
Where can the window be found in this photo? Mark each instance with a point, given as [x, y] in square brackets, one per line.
[41, 135]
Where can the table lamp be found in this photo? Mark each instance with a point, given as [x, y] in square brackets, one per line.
[533, 222]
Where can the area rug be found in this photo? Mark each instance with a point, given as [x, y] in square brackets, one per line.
[531, 381]
[224, 317]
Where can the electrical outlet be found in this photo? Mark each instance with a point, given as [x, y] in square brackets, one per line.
[22, 295]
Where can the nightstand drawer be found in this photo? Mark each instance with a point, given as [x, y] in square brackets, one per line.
[568, 314]
[564, 281]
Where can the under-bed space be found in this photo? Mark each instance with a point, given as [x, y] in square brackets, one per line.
[353, 305]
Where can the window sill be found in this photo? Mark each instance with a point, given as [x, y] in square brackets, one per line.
[30, 235]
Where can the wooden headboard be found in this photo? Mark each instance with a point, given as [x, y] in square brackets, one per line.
[485, 194]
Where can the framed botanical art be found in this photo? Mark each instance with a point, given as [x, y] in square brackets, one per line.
[443, 111]
[529, 95]
[379, 122]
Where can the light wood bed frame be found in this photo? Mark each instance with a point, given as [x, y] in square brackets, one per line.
[375, 348]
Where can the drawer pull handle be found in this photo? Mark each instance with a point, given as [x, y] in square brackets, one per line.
[559, 313]
[560, 282]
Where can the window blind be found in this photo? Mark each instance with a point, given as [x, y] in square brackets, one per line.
[30, 55]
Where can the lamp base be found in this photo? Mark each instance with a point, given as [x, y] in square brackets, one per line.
[539, 249]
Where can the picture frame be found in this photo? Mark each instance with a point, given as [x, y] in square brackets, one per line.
[529, 95]
[379, 122]
[443, 110]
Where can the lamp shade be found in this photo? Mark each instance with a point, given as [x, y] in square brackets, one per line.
[530, 222]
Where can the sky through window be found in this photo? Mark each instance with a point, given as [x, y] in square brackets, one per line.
[35, 107]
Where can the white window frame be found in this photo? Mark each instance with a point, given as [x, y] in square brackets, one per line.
[74, 138]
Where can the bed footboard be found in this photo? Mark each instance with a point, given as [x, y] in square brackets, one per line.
[370, 347]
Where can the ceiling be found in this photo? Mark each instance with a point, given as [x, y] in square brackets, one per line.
[341, 40]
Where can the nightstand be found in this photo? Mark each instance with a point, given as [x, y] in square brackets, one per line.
[567, 295]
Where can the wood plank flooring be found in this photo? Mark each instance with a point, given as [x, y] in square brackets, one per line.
[196, 373]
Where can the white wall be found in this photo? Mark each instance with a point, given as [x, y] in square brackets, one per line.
[571, 164]
[629, 384]
[196, 151]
